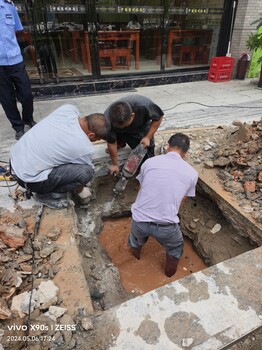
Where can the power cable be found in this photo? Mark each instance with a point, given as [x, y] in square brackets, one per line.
[9, 185]
[204, 105]
[201, 104]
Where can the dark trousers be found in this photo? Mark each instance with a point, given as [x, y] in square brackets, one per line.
[169, 236]
[15, 84]
[134, 140]
[63, 178]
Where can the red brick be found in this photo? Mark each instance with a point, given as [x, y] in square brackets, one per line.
[250, 186]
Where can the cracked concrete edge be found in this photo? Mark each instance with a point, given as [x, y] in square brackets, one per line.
[241, 221]
[70, 278]
[210, 309]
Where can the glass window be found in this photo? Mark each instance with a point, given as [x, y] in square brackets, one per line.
[193, 32]
[129, 35]
[65, 39]
[53, 42]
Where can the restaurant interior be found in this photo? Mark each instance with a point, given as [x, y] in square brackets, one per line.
[96, 38]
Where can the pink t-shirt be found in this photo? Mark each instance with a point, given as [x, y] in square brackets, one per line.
[164, 181]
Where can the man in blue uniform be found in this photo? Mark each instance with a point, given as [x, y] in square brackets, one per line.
[14, 81]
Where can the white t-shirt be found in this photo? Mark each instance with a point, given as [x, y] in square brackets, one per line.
[58, 139]
[131, 25]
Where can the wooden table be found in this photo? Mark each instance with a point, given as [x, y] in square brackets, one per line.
[111, 35]
[132, 34]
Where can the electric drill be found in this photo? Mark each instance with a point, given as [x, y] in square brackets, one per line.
[130, 167]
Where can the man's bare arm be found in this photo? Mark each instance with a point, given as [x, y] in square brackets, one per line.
[112, 149]
[153, 128]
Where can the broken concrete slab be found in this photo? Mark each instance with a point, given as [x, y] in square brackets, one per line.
[212, 308]
[243, 221]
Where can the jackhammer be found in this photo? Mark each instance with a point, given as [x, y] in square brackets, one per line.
[129, 168]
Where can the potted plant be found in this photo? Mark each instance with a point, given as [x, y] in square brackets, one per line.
[254, 42]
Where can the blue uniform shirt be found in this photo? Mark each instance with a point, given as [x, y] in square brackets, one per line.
[10, 52]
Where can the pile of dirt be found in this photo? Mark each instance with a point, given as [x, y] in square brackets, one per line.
[236, 153]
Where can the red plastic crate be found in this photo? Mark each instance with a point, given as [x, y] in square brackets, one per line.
[222, 63]
[219, 75]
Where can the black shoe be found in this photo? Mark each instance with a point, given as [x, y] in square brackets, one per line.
[31, 123]
[19, 134]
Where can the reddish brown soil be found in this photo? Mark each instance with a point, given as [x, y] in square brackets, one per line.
[141, 276]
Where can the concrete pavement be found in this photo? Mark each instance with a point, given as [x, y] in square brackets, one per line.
[185, 114]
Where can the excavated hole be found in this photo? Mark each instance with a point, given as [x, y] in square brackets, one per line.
[114, 275]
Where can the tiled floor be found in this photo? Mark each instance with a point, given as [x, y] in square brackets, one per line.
[69, 69]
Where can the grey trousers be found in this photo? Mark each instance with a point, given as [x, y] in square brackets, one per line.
[63, 178]
[169, 236]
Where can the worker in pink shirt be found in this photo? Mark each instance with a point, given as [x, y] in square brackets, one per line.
[165, 182]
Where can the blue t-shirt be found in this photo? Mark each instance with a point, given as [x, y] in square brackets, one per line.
[10, 23]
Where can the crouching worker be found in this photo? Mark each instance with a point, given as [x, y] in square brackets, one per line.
[55, 157]
[165, 182]
[134, 119]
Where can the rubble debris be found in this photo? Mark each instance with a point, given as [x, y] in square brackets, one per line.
[236, 153]
[55, 312]
[47, 291]
[17, 302]
[216, 228]
[87, 324]
[56, 256]
[12, 236]
[4, 310]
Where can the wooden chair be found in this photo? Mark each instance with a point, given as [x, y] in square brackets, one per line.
[123, 51]
[108, 54]
[187, 54]
[188, 49]
[113, 47]
[107, 45]
[116, 48]
[203, 42]
[202, 54]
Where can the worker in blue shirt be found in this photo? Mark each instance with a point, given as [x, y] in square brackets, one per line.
[14, 81]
